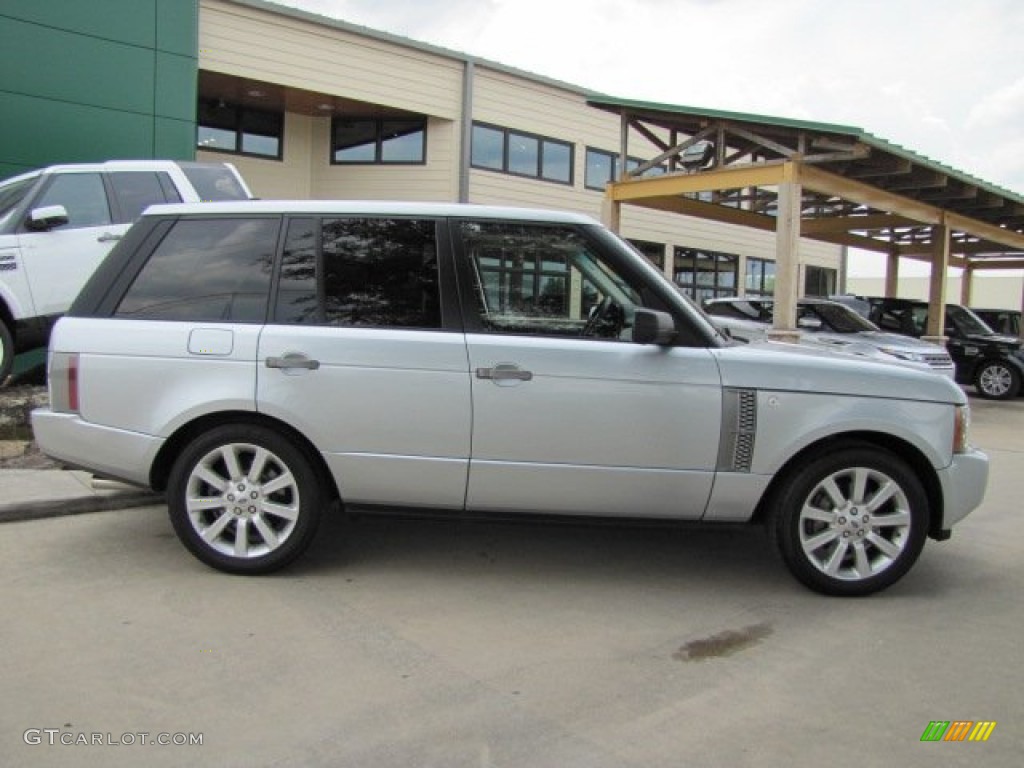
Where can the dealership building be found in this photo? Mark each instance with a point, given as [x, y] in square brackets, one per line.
[311, 107]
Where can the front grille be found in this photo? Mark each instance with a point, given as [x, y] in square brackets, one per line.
[938, 360]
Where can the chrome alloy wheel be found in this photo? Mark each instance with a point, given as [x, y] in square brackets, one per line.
[855, 523]
[995, 380]
[242, 500]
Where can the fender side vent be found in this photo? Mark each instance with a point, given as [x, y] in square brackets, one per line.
[739, 428]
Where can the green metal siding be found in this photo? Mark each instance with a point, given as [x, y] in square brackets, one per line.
[98, 80]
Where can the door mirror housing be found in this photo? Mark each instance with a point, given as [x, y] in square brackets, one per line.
[653, 327]
[46, 218]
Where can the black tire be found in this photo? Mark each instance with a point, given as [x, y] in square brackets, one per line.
[6, 352]
[997, 380]
[261, 520]
[839, 543]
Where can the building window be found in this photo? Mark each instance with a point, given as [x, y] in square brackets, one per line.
[391, 141]
[819, 281]
[240, 130]
[760, 280]
[603, 166]
[521, 154]
[653, 252]
[705, 274]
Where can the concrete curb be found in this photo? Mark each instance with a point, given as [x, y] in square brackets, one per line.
[39, 510]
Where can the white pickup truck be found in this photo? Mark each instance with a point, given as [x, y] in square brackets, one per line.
[57, 224]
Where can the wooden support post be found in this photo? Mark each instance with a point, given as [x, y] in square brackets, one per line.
[892, 274]
[937, 285]
[966, 285]
[787, 262]
[611, 214]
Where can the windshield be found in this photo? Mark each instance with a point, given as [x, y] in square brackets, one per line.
[966, 321]
[13, 193]
[838, 318]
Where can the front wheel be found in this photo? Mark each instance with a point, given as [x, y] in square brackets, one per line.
[997, 380]
[244, 499]
[852, 522]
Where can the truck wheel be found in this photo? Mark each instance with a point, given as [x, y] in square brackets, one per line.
[244, 499]
[6, 352]
[851, 522]
[997, 380]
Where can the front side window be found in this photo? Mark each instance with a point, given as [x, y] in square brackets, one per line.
[83, 197]
[206, 270]
[223, 127]
[521, 154]
[371, 141]
[545, 280]
[360, 272]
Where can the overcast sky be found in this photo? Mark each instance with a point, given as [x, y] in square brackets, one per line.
[942, 77]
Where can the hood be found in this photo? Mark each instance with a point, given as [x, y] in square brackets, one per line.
[799, 368]
[994, 338]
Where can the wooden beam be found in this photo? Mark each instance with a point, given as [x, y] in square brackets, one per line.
[1013, 241]
[673, 151]
[820, 180]
[900, 166]
[732, 177]
[871, 221]
[710, 211]
[774, 146]
[646, 132]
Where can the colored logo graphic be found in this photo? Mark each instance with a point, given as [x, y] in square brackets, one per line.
[958, 730]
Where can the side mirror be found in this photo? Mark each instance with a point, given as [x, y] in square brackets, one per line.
[46, 218]
[653, 327]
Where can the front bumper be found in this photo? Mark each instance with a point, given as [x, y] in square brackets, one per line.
[963, 486]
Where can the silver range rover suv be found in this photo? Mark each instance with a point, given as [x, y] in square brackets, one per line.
[260, 361]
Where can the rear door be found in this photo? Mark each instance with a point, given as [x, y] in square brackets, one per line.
[360, 356]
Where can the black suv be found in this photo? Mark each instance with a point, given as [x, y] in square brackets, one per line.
[992, 362]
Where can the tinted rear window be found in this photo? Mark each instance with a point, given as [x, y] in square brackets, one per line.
[214, 182]
[206, 270]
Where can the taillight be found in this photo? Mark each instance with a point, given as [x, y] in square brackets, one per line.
[64, 382]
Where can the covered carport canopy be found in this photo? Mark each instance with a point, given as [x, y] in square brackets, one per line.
[834, 183]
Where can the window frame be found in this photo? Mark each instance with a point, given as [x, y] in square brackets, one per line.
[631, 162]
[379, 139]
[238, 121]
[693, 286]
[542, 142]
[759, 277]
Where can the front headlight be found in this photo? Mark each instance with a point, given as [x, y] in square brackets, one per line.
[961, 428]
[902, 354]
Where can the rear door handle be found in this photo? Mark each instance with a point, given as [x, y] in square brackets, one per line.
[504, 372]
[108, 237]
[293, 360]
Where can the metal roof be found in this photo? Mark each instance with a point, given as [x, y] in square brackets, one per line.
[860, 190]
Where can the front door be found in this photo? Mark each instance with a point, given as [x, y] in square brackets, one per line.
[569, 415]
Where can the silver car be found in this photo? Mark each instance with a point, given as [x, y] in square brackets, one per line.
[830, 325]
[261, 362]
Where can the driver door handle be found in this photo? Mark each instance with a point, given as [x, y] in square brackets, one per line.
[504, 372]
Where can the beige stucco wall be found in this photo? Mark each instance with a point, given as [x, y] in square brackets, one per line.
[254, 43]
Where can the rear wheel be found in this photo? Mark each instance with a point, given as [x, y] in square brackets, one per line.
[244, 499]
[6, 352]
[997, 380]
[851, 522]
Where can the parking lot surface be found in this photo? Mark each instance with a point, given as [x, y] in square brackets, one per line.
[446, 643]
